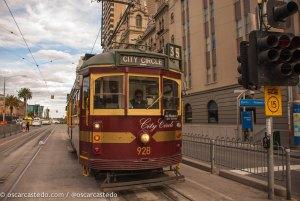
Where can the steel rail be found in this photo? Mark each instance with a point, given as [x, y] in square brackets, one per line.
[27, 166]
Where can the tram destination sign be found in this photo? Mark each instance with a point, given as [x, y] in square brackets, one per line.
[138, 60]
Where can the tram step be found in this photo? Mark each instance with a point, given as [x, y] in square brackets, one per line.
[120, 186]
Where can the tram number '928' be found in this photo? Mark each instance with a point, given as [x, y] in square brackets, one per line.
[144, 151]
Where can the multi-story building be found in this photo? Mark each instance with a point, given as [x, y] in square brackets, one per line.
[111, 14]
[213, 32]
[36, 110]
[123, 25]
[209, 32]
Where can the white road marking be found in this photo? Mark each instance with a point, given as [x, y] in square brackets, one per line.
[210, 189]
[260, 170]
[27, 166]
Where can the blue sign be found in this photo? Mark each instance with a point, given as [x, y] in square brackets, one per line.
[296, 119]
[252, 102]
[247, 120]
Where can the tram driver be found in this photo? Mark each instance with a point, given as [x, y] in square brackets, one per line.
[138, 102]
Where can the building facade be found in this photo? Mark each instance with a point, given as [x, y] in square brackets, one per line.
[111, 14]
[123, 25]
[35, 110]
[209, 32]
[16, 112]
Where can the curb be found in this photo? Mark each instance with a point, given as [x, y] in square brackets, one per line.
[248, 181]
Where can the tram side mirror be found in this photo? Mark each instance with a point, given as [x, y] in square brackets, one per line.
[79, 81]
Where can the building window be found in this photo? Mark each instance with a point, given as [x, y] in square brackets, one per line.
[239, 28]
[237, 10]
[172, 39]
[208, 80]
[207, 44]
[212, 110]
[213, 41]
[188, 114]
[138, 21]
[172, 17]
[212, 9]
[206, 15]
[248, 23]
[214, 73]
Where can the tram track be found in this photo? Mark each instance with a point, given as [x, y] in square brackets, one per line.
[7, 147]
[22, 166]
[164, 192]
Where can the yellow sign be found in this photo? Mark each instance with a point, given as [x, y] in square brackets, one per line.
[273, 101]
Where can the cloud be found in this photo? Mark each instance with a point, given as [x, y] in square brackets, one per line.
[58, 33]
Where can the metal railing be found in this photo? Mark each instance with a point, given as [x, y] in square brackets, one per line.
[8, 130]
[235, 154]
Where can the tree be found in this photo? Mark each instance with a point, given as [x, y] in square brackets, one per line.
[11, 101]
[26, 94]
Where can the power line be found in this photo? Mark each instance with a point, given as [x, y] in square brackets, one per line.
[96, 39]
[25, 42]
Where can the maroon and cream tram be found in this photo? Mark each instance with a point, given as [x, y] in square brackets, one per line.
[124, 112]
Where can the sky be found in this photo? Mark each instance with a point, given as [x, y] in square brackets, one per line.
[57, 33]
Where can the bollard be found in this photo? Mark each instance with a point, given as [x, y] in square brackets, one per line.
[288, 175]
[212, 156]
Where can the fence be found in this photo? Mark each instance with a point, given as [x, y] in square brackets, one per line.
[10, 129]
[242, 157]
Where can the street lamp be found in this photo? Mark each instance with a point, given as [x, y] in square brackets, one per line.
[4, 79]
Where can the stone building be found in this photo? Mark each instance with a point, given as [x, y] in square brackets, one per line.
[122, 26]
[209, 32]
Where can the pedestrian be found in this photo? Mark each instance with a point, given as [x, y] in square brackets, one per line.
[27, 126]
[23, 126]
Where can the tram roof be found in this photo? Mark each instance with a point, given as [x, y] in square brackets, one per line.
[113, 57]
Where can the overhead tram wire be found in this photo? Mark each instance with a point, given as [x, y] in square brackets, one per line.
[25, 43]
[95, 40]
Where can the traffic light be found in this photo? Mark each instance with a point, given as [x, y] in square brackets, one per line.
[243, 65]
[273, 57]
[279, 13]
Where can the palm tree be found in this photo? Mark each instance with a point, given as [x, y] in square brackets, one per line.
[11, 101]
[26, 94]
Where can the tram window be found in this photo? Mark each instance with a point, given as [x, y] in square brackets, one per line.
[170, 96]
[85, 91]
[143, 92]
[109, 93]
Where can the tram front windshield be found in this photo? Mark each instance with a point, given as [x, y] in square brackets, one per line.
[143, 92]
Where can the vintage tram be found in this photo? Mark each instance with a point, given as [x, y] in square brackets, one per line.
[124, 112]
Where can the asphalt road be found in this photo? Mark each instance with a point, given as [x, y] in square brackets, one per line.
[56, 171]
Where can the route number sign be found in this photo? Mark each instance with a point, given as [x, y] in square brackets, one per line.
[273, 101]
[173, 51]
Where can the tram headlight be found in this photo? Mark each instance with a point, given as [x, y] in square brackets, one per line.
[145, 138]
[96, 126]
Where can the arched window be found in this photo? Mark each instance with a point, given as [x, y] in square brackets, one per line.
[138, 21]
[212, 109]
[188, 115]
